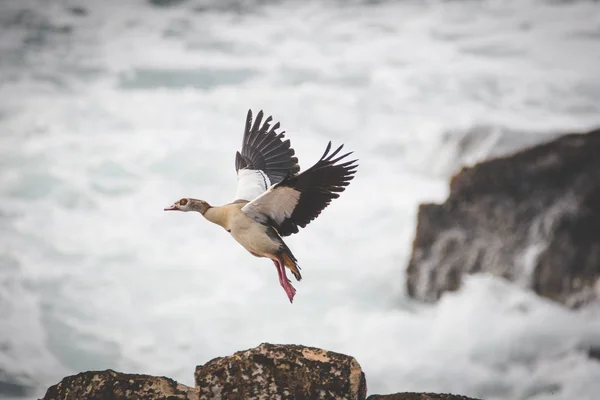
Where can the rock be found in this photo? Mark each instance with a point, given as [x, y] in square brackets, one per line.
[532, 218]
[111, 385]
[281, 371]
[266, 372]
[418, 396]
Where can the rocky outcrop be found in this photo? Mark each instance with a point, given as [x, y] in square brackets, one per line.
[268, 371]
[111, 385]
[418, 396]
[532, 218]
[284, 372]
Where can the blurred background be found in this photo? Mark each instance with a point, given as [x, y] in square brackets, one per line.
[111, 110]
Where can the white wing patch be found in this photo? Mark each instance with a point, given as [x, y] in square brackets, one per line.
[275, 204]
[251, 184]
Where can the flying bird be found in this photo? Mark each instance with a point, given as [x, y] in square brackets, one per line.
[273, 198]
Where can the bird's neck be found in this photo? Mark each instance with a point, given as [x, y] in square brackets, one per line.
[200, 206]
[217, 215]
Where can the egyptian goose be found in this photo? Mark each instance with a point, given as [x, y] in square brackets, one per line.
[273, 199]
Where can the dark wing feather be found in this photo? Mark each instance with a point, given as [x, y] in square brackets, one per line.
[318, 185]
[265, 150]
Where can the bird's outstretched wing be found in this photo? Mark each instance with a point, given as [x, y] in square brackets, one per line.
[265, 158]
[299, 199]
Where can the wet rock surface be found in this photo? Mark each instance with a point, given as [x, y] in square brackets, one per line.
[111, 385]
[282, 371]
[532, 218]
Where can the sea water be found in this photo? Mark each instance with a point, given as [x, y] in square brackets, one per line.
[110, 111]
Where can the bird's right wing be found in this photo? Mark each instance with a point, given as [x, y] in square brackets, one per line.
[298, 199]
[265, 159]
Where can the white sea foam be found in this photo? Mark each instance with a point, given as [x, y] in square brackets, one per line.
[109, 116]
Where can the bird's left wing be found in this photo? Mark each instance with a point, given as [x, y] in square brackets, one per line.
[265, 158]
[298, 199]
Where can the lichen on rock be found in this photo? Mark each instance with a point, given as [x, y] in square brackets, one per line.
[112, 385]
[266, 372]
[281, 371]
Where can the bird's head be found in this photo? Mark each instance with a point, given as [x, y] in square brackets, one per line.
[187, 204]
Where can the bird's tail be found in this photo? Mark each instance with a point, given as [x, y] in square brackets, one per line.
[290, 261]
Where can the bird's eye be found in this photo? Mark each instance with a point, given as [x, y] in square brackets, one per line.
[183, 202]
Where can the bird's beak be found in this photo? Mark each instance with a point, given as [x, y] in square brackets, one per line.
[171, 208]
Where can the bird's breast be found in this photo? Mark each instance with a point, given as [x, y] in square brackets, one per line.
[253, 236]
